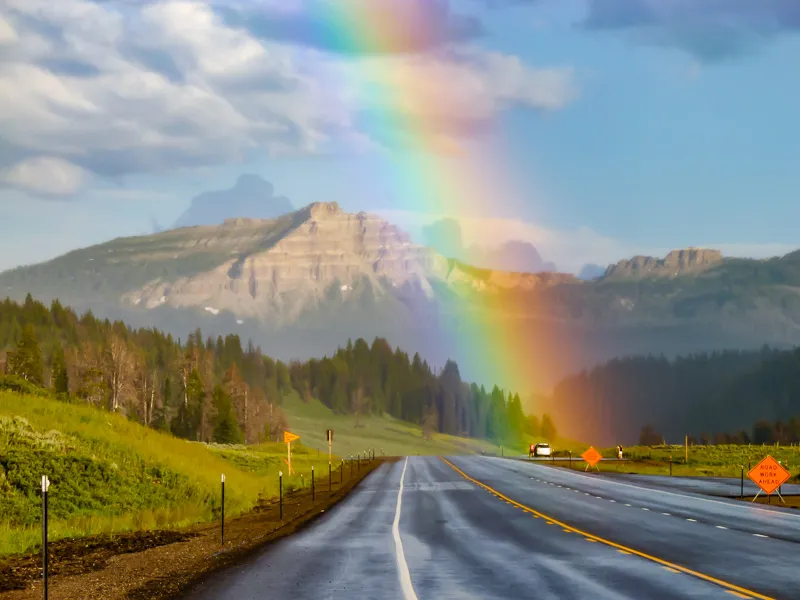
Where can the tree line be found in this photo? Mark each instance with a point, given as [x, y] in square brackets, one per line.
[708, 396]
[783, 432]
[217, 389]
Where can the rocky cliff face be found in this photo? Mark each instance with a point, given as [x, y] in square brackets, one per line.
[677, 262]
[297, 264]
[285, 268]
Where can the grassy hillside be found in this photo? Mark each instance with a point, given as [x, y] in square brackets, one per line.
[393, 437]
[110, 474]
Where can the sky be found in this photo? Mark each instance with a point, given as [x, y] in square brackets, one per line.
[594, 129]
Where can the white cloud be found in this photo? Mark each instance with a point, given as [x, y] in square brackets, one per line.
[133, 87]
[570, 250]
[44, 175]
[7, 33]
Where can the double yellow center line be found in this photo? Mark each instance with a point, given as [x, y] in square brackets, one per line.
[733, 589]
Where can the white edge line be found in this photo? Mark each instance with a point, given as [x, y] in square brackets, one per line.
[402, 566]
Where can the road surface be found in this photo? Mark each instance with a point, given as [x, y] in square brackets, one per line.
[497, 528]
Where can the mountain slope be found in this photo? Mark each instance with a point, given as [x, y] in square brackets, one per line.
[302, 283]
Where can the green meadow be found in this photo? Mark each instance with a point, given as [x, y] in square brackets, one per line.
[386, 435]
[109, 474]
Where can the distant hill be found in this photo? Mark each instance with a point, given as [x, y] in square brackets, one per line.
[591, 271]
[300, 283]
[251, 197]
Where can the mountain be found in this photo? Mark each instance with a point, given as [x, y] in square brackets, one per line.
[251, 197]
[514, 255]
[591, 271]
[300, 284]
[677, 262]
[517, 256]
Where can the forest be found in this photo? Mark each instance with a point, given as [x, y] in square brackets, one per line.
[723, 397]
[217, 389]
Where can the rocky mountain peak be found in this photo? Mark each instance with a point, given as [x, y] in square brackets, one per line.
[322, 210]
[677, 262]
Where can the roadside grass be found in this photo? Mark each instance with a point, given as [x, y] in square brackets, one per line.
[386, 435]
[704, 461]
[109, 474]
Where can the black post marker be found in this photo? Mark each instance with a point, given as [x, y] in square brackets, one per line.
[222, 525]
[330, 477]
[280, 493]
[312, 484]
[741, 488]
[341, 473]
[670, 466]
[45, 486]
[570, 458]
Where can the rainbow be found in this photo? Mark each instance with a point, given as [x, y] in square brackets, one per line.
[431, 166]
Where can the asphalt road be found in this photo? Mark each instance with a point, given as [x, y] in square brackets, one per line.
[420, 529]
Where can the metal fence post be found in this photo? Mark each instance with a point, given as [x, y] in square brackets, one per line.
[223, 510]
[313, 494]
[280, 492]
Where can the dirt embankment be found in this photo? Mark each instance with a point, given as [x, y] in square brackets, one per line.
[157, 565]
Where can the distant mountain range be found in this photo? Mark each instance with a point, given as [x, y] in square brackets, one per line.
[251, 196]
[302, 283]
[444, 236]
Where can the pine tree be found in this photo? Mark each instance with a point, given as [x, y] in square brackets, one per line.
[226, 429]
[26, 361]
[60, 375]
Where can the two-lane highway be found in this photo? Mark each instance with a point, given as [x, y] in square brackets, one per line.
[477, 527]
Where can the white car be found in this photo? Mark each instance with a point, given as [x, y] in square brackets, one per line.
[539, 450]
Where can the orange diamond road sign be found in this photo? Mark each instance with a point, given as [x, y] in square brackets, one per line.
[769, 475]
[289, 437]
[591, 456]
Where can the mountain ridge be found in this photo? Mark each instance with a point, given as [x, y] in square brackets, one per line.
[302, 282]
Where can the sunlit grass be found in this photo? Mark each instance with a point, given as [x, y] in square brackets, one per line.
[386, 435]
[110, 474]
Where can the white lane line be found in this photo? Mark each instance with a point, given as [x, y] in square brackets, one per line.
[402, 566]
[627, 505]
[692, 520]
[721, 527]
[612, 500]
[760, 535]
[666, 514]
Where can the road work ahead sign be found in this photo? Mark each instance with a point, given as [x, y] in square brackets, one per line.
[591, 456]
[769, 475]
[289, 437]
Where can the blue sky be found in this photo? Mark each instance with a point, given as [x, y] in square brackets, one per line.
[625, 126]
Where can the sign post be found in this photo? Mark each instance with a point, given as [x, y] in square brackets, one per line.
[329, 434]
[223, 510]
[769, 476]
[288, 438]
[45, 488]
[592, 457]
